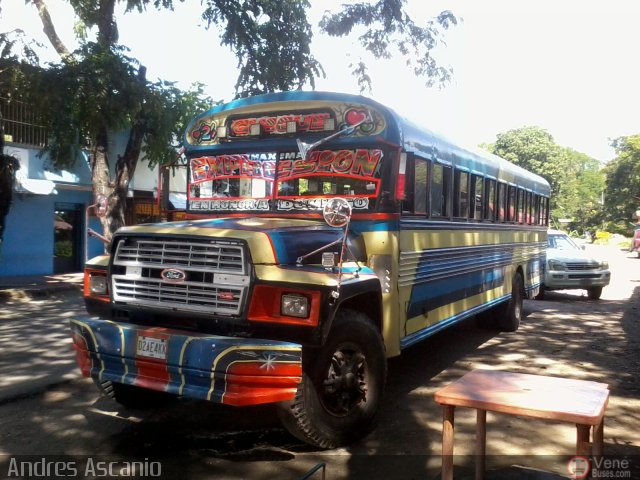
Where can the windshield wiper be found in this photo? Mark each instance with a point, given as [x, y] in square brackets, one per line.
[304, 148]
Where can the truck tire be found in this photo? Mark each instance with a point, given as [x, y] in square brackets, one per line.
[338, 400]
[594, 293]
[131, 396]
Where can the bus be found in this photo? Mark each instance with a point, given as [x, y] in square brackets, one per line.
[324, 234]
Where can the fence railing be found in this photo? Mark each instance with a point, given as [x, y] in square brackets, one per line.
[18, 122]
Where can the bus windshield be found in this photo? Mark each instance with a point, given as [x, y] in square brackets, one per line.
[283, 181]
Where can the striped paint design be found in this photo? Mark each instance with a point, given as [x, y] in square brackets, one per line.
[226, 370]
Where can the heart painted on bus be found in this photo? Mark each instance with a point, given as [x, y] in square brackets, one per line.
[355, 116]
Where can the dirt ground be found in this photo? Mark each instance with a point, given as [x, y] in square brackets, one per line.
[564, 335]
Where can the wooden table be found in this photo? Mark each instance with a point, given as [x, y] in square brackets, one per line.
[573, 401]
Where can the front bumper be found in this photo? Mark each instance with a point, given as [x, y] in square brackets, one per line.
[229, 370]
[557, 280]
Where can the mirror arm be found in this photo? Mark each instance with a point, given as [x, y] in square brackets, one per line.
[318, 250]
[304, 148]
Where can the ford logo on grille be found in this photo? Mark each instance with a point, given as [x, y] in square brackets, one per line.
[173, 275]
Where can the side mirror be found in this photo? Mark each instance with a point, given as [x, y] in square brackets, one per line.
[101, 205]
[337, 212]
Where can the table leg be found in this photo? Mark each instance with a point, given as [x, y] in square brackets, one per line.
[598, 439]
[447, 442]
[481, 442]
[582, 442]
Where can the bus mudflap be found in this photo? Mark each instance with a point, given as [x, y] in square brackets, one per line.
[233, 371]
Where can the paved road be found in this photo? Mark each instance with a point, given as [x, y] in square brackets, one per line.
[564, 335]
[35, 346]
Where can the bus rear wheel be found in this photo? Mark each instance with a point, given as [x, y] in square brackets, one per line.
[338, 400]
[509, 314]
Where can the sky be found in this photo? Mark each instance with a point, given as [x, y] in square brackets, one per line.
[568, 66]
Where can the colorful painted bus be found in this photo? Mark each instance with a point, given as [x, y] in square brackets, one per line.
[324, 234]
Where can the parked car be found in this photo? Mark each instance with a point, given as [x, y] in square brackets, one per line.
[568, 266]
[635, 242]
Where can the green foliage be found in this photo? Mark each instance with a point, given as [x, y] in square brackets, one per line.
[15, 46]
[388, 29]
[63, 248]
[622, 195]
[99, 89]
[271, 40]
[576, 179]
[168, 109]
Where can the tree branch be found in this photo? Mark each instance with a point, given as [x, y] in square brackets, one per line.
[107, 26]
[50, 30]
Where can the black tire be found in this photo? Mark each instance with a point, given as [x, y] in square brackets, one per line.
[509, 314]
[342, 385]
[131, 396]
[594, 293]
[540, 295]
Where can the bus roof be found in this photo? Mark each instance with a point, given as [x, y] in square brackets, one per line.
[398, 130]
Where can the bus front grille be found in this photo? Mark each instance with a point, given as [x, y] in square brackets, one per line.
[201, 275]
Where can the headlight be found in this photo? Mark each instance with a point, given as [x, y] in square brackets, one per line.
[604, 265]
[556, 265]
[98, 284]
[295, 306]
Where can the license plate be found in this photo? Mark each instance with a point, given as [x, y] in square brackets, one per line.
[152, 347]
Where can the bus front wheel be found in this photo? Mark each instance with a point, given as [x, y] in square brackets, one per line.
[338, 400]
[130, 396]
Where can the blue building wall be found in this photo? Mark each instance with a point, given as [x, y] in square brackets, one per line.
[28, 244]
[28, 239]
[28, 247]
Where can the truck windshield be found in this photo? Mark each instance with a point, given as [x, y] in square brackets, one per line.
[283, 181]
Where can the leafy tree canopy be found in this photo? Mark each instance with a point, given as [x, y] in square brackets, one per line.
[622, 194]
[576, 179]
[98, 89]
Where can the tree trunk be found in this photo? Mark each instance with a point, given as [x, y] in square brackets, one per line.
[116, 190]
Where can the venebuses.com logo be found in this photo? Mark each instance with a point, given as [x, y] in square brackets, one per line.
[599, 467]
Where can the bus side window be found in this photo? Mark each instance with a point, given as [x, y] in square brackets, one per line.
[520, 206]
[440, 190]
[477, 197]
[460, 194]
[502, 202]
[490, 188]
[511, 203]
[420, 187]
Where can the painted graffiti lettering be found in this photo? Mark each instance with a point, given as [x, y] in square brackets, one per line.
[359, 162]
[211, 168]
[204, 132]
[277, 125]
[230, 205]
[357, 203]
